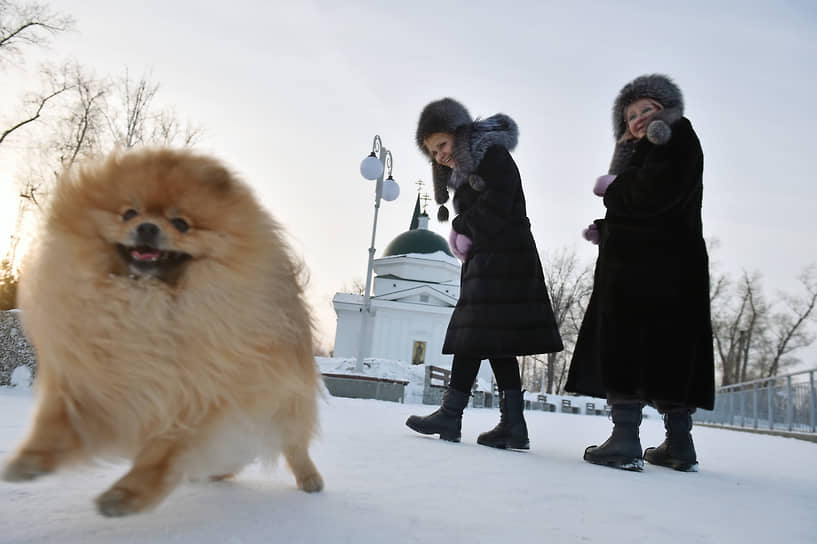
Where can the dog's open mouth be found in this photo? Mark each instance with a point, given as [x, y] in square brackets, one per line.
[150, 261]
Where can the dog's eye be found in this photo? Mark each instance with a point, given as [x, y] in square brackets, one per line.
[180, 224]
[129, 214]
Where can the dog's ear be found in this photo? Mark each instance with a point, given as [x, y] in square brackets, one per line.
[216, 177]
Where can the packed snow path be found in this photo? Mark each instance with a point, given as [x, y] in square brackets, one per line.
[386, 484]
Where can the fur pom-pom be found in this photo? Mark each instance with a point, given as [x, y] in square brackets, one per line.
[659, 132]
[440, 175]
[442, 214]
[476, 182]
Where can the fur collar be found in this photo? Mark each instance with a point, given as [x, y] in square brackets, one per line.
[471, 142]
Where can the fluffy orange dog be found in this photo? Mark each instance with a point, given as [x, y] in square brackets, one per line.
[170, 328]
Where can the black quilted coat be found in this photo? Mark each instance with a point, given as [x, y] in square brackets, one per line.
[504, 308]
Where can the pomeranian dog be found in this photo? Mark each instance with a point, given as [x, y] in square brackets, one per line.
[170, 328]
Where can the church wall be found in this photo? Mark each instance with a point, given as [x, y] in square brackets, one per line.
[396, 331]
[384, 286]
[347, 332]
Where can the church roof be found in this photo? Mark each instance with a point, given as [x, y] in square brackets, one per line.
[418, 239]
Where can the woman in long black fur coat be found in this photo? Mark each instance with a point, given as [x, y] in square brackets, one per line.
[504, 309]
[647, 334]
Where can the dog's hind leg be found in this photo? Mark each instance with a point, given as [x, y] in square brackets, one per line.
[154, 474]
[306, 474]
[296, 434]
[52, 442]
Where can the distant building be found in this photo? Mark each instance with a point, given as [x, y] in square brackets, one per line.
[415, 288]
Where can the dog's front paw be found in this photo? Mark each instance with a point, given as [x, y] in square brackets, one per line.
[117, 502]
[312, 483]
[26, 467]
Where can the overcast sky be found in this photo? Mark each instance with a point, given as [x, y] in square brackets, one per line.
[290, 95]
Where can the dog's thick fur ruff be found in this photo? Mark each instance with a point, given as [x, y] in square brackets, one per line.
[189, 375]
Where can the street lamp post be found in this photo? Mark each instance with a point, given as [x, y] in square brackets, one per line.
[374, 167]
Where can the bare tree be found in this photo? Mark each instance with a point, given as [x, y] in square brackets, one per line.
[569, 284]
[34, 109]
[356, 287]
[133, 120]
[8, 285]
[754, 338]
[25, 24]
[736, 316]
[788, 330]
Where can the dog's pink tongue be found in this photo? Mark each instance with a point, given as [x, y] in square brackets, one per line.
[144, 255]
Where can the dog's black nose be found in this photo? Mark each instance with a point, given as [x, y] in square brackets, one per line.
[147, 233]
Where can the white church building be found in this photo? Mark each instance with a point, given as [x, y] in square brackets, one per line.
[416, 285]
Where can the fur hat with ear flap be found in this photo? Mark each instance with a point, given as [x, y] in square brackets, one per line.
[657, 87]
[445, 115]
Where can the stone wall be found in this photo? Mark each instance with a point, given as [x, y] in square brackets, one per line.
[14, 347]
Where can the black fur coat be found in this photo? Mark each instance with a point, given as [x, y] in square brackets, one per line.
[647, 331]
[504, 308]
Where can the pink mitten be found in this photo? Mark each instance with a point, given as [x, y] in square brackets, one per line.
[602, 183]
[591, 234]
[452, 242]
[463, 245]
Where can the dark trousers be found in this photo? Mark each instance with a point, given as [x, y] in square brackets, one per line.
[464, 371]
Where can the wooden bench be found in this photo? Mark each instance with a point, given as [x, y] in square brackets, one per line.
[545, 405]
[591, 410]
[365, 387]
[568, 408]
[435, 384]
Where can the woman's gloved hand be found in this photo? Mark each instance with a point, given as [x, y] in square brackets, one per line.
[460, 244]
[602, 183]
[591, 234]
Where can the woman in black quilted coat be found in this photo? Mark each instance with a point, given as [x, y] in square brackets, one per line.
[504, 309]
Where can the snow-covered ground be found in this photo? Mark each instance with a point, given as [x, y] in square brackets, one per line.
[386, 484]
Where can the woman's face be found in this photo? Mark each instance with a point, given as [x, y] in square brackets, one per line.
[440, 146]
[638, 115]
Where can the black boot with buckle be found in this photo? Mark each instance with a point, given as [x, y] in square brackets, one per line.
[446, 421]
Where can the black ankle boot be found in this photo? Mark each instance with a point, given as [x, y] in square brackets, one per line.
[446, 421]
[623, 448]
[677, 451]
[511, 431]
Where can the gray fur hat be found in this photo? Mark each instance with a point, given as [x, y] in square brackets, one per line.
[444, 115]
[659, 88]
[656, 86]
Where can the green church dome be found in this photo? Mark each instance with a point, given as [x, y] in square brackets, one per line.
[417, 241]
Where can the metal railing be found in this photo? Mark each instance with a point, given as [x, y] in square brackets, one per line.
[786, 402]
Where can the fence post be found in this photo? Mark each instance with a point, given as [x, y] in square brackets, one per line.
[770, 387]
[789, 403]
[754, 405]
[813, 411]
[731, 411]
[742, 394]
